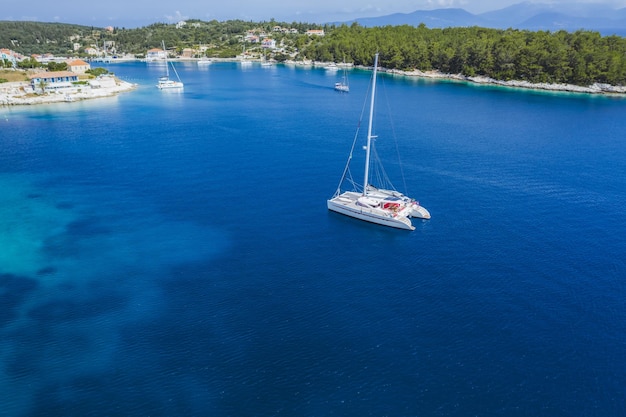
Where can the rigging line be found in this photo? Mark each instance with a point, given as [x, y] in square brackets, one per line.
[380, 172]
[395, 138]
[346, 169]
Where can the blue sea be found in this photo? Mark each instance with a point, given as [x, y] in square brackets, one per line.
[171, 253]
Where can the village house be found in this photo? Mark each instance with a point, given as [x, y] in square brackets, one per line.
[78, 66]
[7, 54]
[284, 30]
[188, 53]
[156, 54]
[315, 32]
[45, 58]
[109, 47]
[252, 37]
[53, 80]
[268, 43]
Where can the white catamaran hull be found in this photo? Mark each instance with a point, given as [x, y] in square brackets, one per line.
[348, 205]
[164, 85]
[420, 212]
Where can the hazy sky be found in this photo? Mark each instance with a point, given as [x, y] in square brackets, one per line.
[134, 13]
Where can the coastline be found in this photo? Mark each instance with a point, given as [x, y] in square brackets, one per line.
[21, 92]
[18, 93]
[596, 88]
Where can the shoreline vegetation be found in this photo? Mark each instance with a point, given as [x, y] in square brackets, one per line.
[20, 92]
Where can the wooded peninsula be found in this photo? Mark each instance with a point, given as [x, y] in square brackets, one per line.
[579, 58]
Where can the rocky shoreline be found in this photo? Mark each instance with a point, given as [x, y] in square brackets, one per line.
[21, 93]
[596, 88]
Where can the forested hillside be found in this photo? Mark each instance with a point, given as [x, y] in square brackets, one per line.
[59, 38]
[40, 38]
[580, 58]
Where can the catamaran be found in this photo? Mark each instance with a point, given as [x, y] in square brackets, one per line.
[384, 206]
[164, 81]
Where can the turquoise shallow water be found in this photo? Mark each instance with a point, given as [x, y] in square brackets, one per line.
[172, 254]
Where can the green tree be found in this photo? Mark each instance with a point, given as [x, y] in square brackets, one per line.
[28, 63]
[57, 66]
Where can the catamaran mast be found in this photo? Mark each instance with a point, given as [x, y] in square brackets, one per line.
[369, 129]
[167, 69]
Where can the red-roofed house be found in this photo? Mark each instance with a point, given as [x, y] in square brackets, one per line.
[268, 43]
[78, 66]
[156, 54]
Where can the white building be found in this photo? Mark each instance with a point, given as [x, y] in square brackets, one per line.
[156, 54]
[53, 80]
[268, 43]
[315, 32]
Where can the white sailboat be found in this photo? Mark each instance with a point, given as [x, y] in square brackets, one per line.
[266, 62]
[343, 85]
[203, 60]
[245, 61]
[384, 206]
[165, 82]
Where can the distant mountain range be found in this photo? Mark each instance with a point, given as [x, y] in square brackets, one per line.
[525, 15]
